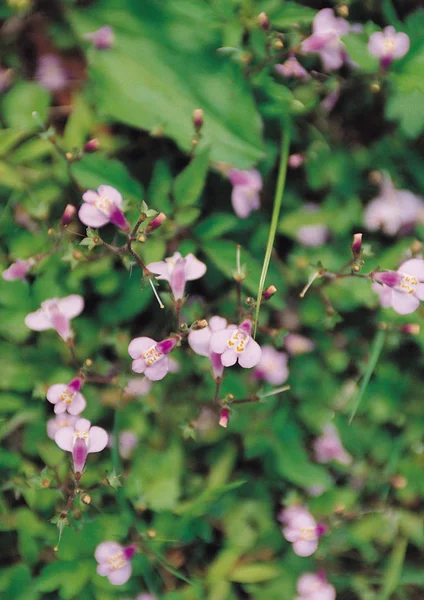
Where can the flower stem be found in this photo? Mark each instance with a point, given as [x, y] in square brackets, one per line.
[282, 171]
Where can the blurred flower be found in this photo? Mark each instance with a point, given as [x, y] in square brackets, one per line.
[291, 68]
[296, 160]
[156, 222]
[60, 421]
[92, 145]
[81, 439]
[328, 447]
[128, 442]
[393, 209]
[138, 386]
[402, 289]
[67, 397]
[114, 561]
[145, 597]
[301, 529]
[269, 292]
[411, 328]
[56, 314]
[50, 73]
[102, 38]
[387, 45]
[356, 244]
[314, 586]
[102, 207]
[224, 417]
[327, 29]
[246, 188]
[330, 101]
[150, 357]
[298, 344]
[68, 214]
[177, 271]
[312, 235]
[272, 366]
[199, 341]
[18, 270]
[236, 344]
[198, 119]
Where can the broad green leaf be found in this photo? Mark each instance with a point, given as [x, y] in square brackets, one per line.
[78, 125]
[9, 138]
[21, 101]
[216, 225]
[190, 182]
[291, 14]
[163, 66]
[255, 573]
[357, 48]
[408, 109]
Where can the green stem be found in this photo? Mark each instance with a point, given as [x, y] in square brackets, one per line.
[282, 171]
[377, 347]
[393, 570]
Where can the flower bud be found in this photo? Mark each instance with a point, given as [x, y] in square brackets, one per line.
[390, 278]
[198, 119]
[156, 222]
[411, 328]
[92, 145]
[295, 160]
[269, 292]
[343, 10]
[224, 417]
[356, 245]
[263, 21]
[68, 214]
[86, 498]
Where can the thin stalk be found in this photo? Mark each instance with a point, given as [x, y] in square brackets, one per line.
[281, 182]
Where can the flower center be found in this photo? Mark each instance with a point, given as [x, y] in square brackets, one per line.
[83, 435]
[389, 45]
[116, 561]
[152, 355]
[308, 533]
[407, 284]
[104, 204]
[239, 340]
[67, 397]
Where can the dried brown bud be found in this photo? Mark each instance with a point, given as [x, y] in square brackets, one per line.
[88, 362]
[343, 10]
[86, 498]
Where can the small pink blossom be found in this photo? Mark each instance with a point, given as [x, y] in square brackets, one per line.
[56, 314]
[235, 343]
[246, 187]
[387, 45]
[102, 207]
[314, 586]
[296, 160]
[328, 447]
[298, 344]
[224, 417]
[151, 357]
[60, 421]
[356, 245]
[292, 68]
[272, 366]
[301, 529]
[145, 597]
[138, 386]
[128, 442]
[102, 38]
[67, 397]
[81, 439]
[177, 271]
[50, 73]
[199, 341]
[114, 561]
[312, 235]
[68, 214]
[402, 289]
[393, 210]
[327, 30]
[18, 270]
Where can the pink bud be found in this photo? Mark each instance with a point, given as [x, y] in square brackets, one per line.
[295, 160]
[68, 214]
[263, 21]
[389, 278]
[198, 119]
[156, 222]
[129, 551]
[92, 146]
[356, 244]
[269, 292]
[224, 417]
[411, 328]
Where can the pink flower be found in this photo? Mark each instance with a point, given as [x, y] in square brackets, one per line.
[128, 442]
[312, 235]
[102, 207]
[18, 270]
[102, 38]
[224, 417]
[150, 357]
[50, 73]
[199, 341]
[67, 397]
[56, 314]
[402, 289]
[393, 210]
[246, 188]
[387, 45]
[114, 561]
[81, 439]
[272, 366]
[298, 344]
[138, 386]
[178, 270]
[301, 529]
[60, 421]
[328, 447]
[68, 214]
[145, 597]
[296, 160]
[291, 68]
[236, 344]
[314, 586]
[326, 39]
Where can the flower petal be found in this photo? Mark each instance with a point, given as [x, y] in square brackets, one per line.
[160, 269]
[250, 356]
[138, 365]
[82, 425]
[64, 438]
[415, 267]
[120, 576]
[77, 405]
[105, 550]
[103, 569]
[199, 340]
[97, 439]
[55, 391]
[38, 320]
[158, 370]
[92, 216]
[60, 408]
[71, 306]
[194, 268]
[305, 547]
[217, 323]
[139, 345]
[219, 339]
[404, 304]
[111, 193]
[90, 196]
[241, 201]
[229, 357]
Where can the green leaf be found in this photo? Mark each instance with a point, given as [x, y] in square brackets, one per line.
[189, 184]
[408, 109]
[291, 14]
[215, 226]
[9, 138]
[78, 125]
[357, 48]
[21, 101]
[68, 576]
[10, 177]
[153, 79]
[96, 169]
[255, 573]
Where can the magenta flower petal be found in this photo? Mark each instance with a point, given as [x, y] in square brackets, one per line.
[18, 270]
[217, 366]
[79, 455]
[251, 355]
[117, 218]
[92, 216]
[178, 279]
[120, 576]
[97, 440]
[64, 438]
[140, 345]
